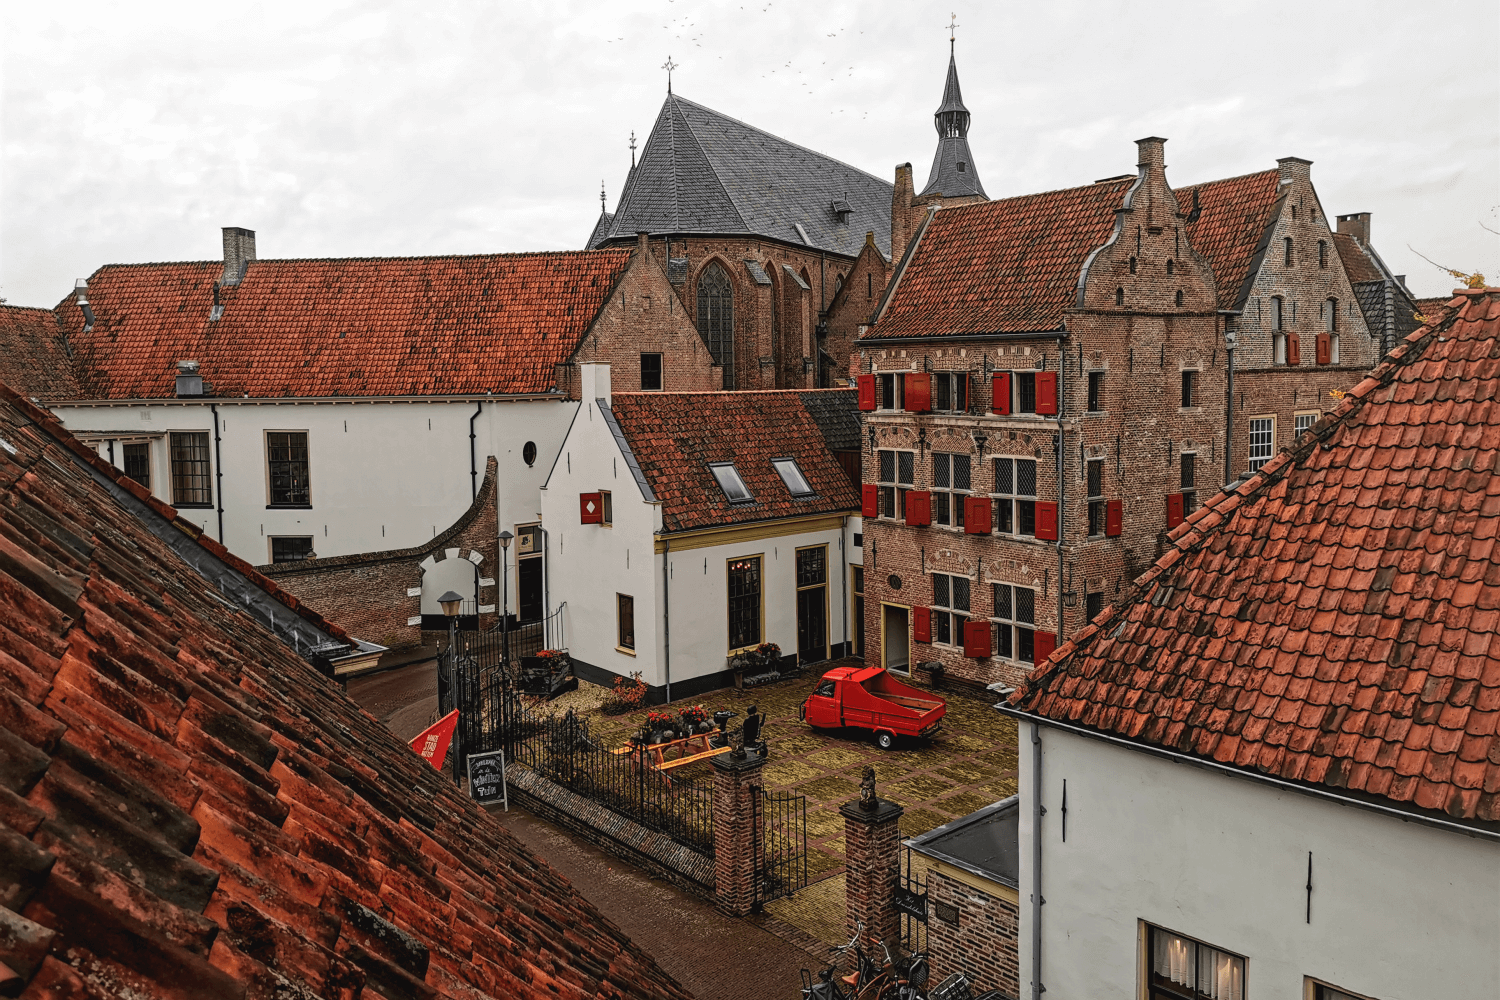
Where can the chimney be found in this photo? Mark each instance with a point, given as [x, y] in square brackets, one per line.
[1294, 168]
[81, 294]
[1152, 153]
[593, 383]
[239, 251]
[189, 382]
[1356, 224]
[643, 244]
[901, 212]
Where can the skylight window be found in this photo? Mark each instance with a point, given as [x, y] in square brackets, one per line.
[730, 482]
[796, 483]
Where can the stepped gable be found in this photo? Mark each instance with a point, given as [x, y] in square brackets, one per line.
[1333, 620]
[704, 173]
[1232, 228]
[33, 357]
[382, 326]
[187, 809]
[675, 435]
[1005, 266]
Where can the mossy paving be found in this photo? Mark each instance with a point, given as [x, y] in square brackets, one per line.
[970, 764]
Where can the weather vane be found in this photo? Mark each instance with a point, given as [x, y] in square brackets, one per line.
[632, 131]
[669, 66]
[601, 195]
[952, 26]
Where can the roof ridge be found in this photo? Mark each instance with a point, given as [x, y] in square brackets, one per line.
[772, 135]
[1199, 526]
[1221, 180]
[330, 260]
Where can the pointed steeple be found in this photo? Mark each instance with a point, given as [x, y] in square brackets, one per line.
[953, 174]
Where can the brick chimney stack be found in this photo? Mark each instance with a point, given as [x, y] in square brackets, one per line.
[1294, 168]
[1152, 153]
[239, 251]
[1356, 224]
[903, 218]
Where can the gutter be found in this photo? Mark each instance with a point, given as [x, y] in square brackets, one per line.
[1406, 816]
[943, 338]
[468, 397]
[218, 471]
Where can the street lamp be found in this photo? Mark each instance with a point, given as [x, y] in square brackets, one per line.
[452, 604]
[505, 538]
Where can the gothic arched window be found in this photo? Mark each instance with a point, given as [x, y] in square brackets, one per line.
[716, 318]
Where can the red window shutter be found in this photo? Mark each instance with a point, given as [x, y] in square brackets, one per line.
[591, 508]
[1324, 349]
[1046, 520]
[869, 500]
[921, 624]
[1000, 392]
[1046, 392]
[1174, 510]
[977, 640]
[918, 392]
[918, 508]
[1043, 645]
[867, 392]
[1293, 349]
[977, 512]
[1114, 516]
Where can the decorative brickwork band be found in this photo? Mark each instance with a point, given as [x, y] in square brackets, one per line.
[736, 783]
[872, 836]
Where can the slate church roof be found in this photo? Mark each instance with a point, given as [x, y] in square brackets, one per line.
[702, 172]
[1335, 619]
[187, 809]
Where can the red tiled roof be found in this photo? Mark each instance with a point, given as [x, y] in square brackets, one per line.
[675, 435]
[1001, 266]
[187, 809]
[1336, 621]
[1357, 263]
[1234, 217]
[357, 327]
[33, 360]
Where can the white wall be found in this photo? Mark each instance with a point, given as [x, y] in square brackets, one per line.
[1400, 911]
[384, 475]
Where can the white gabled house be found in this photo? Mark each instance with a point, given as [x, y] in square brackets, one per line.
[686, 528]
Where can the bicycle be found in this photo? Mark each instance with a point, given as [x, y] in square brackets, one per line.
[867, 982]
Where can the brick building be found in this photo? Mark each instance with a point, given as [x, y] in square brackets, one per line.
[1047, 387]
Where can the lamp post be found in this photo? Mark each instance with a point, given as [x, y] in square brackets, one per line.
[452, 604]
[505, 538]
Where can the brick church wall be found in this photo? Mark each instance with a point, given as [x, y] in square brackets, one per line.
[367, 593]
[981, 939]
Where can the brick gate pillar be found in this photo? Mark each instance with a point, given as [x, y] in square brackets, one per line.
[872, 838]
[736, 784]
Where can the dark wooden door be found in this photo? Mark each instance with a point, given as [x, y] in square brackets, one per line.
[529, 589]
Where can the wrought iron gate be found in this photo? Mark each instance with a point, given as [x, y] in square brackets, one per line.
[780, 848]
[913, 906]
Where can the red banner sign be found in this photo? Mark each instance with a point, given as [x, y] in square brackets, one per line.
[431, 744]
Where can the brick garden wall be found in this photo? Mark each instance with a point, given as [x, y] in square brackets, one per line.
[983, 942]
[367, 593]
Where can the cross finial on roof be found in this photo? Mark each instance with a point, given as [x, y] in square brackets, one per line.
[632, 133]
[669, 66]
[952, 29]
[601, 195]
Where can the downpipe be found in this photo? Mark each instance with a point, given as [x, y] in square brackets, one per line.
[1037, 812]
[666, 614]
[1062, 479]
[473, 455]
[218, 472]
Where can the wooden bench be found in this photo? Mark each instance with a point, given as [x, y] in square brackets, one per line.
[705, 755]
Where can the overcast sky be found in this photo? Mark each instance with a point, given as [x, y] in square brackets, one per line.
[133, 131]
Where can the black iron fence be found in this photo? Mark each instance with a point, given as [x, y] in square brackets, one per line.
[780, 848]
[562, 749]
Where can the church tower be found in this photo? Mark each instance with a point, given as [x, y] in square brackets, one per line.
[953, 174]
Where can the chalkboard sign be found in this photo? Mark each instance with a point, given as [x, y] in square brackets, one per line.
[487, 778]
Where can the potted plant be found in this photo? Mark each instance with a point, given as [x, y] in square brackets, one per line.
[769, 654]
[660, 725]
[694, 720]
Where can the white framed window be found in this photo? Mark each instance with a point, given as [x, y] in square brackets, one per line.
[950, 484]
[1262, 441]
[1014, 622]
[1094, 479]
[892, 390]
[950, 391]
[1304, 419]
[1322, 991]
[897, 475]
[730, 482]
[791, 474]
[950, 608]
[1181, 968]
[625, 622]
[1015, 496]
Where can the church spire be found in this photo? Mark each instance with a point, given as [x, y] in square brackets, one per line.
[953, 174]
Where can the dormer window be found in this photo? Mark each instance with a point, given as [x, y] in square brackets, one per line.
[791, 474]
[730, 482]
[960, 166]
[842, 209]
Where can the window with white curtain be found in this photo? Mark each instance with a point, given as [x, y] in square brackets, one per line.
[1185, 969]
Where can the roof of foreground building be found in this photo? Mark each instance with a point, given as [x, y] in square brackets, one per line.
[702, 172]
[1334, 620]
[188, 809]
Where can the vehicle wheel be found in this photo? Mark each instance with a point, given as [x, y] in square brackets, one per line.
[885, 741]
